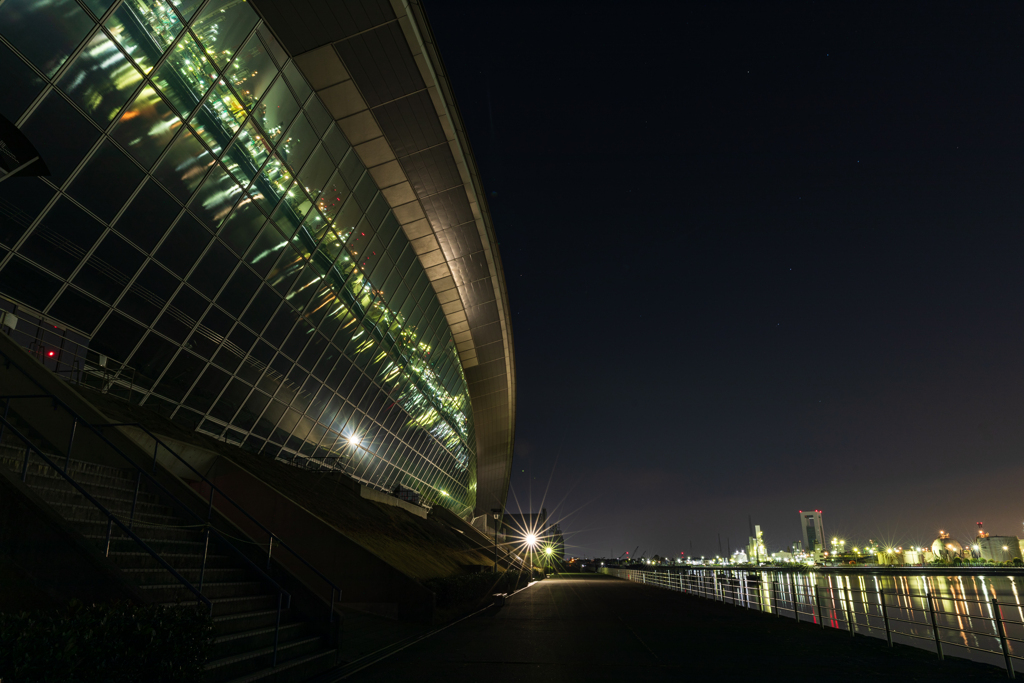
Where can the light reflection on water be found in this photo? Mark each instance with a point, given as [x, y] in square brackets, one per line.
[962, 604]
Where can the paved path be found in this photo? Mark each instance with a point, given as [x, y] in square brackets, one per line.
[597, 628]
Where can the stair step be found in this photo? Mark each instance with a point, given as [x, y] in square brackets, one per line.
[213, 590]
[300, 668]
[226, 624]
[65, 493]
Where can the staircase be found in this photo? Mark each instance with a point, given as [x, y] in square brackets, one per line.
[245, 604]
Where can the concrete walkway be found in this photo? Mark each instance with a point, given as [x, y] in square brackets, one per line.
[597, 628]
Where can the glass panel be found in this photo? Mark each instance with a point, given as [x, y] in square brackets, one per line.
[45, 31]
[62, 238]
[222, 27]
[271, 42]
[336, 143]
[290, 213]
[276, 111]
[218, 118]
[148, 294]
[298, 83]
[100, 80]
[316, 172]
[21, 85]
[318, 116]
[252, 72]
[270, 185]
[106, 181]
[351, 168]
[265, 250]
[186, 7]
[298, 142]
[181, 248]
[214, 201]
[147, 217]
[242, 225]
[146, 127]
[21, 200]
[61, 135]
[99, 7]
[23, 282]
[145, 29]
[77, 310]
[246, 154]
[186, 75]
[184, 166]
[109, 269]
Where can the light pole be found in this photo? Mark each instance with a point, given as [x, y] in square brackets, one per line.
[496, 514]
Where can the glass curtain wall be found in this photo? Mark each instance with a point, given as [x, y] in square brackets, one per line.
[208, 223]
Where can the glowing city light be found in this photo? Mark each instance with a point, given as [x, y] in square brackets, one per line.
[531, 540]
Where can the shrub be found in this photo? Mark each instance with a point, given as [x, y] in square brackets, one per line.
[110, 643]
[453, 590]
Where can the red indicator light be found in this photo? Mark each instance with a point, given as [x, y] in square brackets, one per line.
[50, 354]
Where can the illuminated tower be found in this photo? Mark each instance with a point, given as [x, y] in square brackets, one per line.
[814, 531]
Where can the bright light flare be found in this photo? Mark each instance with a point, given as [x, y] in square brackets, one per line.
[531, 540]
[354, 440]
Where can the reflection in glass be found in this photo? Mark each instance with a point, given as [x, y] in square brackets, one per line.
[186, 7]
[216, 198]
[276, 110]
[146, 127]
[218, 118]
[297, 143]
[251, 72]
[184, 166]
[186, 75]
[100, 80]
[270, 185]
[145, 29]
[223, 26]
[316, 172]
[45, 31]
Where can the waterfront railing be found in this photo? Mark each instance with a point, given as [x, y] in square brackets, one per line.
[941, 618]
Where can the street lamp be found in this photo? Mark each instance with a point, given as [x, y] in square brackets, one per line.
[496, 514]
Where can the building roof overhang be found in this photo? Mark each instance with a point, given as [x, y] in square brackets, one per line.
[376, 67]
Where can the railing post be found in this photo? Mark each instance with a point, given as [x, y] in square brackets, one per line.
[3, 425]
[714, 578]
[135, 499]
[851, 611]
[270, 549]
[1002, 639]
[24, 467]
[796, 604]
[110, 525]
[773, 598]
[206, 552]
[885, 617]
[817, 603]
[331, 615]
[156, 447]
[277, 629]
[71, 443]
[935, 628]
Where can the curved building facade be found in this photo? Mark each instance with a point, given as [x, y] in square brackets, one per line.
[283, 239]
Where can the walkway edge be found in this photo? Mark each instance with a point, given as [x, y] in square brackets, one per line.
[388, 650]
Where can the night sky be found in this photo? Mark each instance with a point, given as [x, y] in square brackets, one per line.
[761, 257]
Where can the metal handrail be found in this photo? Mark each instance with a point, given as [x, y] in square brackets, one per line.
[765, 591]
[30, 448]
[215, 488]
[335, 589]
[208, 527]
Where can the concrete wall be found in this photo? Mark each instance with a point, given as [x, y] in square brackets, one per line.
[382, 589]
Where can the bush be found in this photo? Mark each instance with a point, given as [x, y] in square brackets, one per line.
[453, 590]
[113, 642]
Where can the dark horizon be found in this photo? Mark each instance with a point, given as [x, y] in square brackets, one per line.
[760, 259]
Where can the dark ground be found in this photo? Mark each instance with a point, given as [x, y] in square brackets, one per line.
[598, 628]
